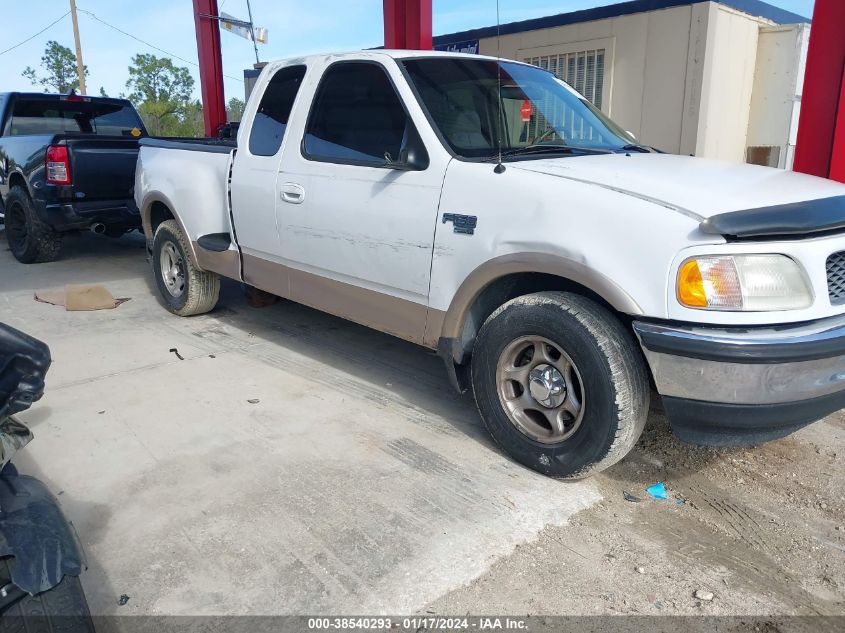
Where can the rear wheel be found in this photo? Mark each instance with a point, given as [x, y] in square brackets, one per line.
[30, 240]
[560, 384]
[185, 289]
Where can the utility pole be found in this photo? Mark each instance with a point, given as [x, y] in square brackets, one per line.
[80, 67]
[252, 32]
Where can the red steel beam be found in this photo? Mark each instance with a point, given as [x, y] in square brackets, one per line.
[211, 66]
[418, 25]
[407, 24]
[837, 158]
[816, 153]
[394, 23]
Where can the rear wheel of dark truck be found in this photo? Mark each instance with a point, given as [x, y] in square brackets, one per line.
[185, 289]
[560, 384]
[62, 608]
[30, 240]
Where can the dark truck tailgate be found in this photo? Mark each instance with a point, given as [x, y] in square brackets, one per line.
[102, 168]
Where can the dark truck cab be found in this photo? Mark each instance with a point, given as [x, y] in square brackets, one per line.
[67, 163]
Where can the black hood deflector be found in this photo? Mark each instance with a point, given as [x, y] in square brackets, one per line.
[798, 219]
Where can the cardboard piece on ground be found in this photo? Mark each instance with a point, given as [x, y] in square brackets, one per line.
[56, 296]
[77, 297]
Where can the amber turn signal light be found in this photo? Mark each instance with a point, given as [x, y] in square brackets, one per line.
[691, 292]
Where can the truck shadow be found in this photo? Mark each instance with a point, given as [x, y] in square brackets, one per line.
[659, 455]
[378, 367]
[389, 371]
[85, 258]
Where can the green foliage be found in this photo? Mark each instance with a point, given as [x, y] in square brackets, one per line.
[235, 109]
[59, 64]
[158, 79]
[162, 93]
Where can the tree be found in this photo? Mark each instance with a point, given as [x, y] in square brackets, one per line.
[235, 109]
[59, 63]
[162, 92]
[158, 79]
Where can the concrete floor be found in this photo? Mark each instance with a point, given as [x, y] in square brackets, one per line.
[358, 483]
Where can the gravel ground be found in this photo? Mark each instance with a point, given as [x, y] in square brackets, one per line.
[759, 531]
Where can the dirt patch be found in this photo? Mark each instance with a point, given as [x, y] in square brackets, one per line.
[762, 529]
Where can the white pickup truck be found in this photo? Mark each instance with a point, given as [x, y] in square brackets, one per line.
[485, 209]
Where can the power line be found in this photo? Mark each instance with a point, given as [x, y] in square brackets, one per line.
[52, 24]
[138, 39]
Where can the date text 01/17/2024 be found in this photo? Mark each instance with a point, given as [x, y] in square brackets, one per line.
[417, 623]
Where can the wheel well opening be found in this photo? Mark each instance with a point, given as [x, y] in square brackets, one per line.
[515, 285]
[16, 180]
[159, 213]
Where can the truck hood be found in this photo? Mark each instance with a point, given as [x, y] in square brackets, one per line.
[697, 187]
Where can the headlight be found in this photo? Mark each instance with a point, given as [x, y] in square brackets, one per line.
[748, 283]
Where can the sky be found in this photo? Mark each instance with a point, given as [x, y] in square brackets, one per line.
[295, 28]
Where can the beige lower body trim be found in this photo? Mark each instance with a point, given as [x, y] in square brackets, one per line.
[433, 327]
[377, 310]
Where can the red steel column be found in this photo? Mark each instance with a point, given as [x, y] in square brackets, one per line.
[837, 158]
[394, 23]
[823, 85]
[407, 24]
[418, 25]
[211, 66]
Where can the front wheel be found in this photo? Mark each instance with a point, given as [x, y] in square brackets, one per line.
[560, 384]
[185, 289]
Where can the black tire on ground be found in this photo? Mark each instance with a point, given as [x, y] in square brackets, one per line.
[196, 291]
[614, 394]
[62, 608]
[30, 240]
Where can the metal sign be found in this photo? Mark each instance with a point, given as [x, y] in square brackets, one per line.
[242, 29]
[468, 46]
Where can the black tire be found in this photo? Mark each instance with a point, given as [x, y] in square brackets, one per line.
[30, 240]
[615, 391]
[62, 608]
[200, 289]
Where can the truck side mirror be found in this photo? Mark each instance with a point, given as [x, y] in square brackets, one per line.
[413, 155]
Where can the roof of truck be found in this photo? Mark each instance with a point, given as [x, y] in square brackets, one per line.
[370, 53]
[65, 96]
[382, 52]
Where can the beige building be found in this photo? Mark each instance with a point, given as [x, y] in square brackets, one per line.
[719, 79]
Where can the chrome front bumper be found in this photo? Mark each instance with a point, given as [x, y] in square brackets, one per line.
[728, 386]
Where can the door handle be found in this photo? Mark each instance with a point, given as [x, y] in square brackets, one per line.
[292, 193]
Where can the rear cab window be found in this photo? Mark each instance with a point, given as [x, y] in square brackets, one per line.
[271, 119]
[74, 116]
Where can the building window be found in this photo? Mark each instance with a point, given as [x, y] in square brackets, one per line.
[583, 70]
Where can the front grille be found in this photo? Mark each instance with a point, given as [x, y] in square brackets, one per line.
[836, 278]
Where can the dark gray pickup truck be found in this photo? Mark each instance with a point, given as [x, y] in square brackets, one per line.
[67, 163]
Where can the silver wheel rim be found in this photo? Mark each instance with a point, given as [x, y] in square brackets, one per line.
[540, 389]
[172, 269]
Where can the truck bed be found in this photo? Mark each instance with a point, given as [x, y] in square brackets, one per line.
[190, 144]
[192, 175]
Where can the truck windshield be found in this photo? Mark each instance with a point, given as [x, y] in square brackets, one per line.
[57, 116]
[538, 114]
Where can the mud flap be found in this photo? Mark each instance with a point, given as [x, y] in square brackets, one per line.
[35, 532]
